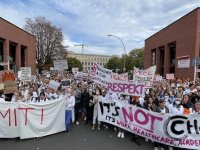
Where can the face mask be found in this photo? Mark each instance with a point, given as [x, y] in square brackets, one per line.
[121, 98]
[177, 102]
[166, 97]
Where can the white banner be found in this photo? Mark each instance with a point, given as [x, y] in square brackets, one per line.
[144, 76]
[101, 75]
[60, 64]
[179, 131]
[31, 120]
[122, 87]
[25, 74]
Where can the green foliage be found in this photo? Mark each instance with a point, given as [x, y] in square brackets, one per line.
[135, 58]
[74, 63]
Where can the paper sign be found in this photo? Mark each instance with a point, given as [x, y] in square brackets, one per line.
[25, 74]
[170, 76]
[101, 75]
[53, 85]
[60, 64]
[144, 76]
[7, 77]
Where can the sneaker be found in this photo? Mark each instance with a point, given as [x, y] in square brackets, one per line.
[77, 123]
[93, 127]
[99, 127]
[170, 148]
[115, 129]
[122, 135]
[85, 118]
[156, 148]
[161, 148]
[119, 134]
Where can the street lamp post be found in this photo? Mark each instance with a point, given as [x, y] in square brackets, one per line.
[123, 48]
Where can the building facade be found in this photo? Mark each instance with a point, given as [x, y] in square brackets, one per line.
[173, 48]
[88, 59]
[18, 46]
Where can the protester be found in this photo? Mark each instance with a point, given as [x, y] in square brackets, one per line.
[176, 107]
[69, 114]
[196, 107]
[95, 101]
[163, 109]
[77, 103]
[42, 98]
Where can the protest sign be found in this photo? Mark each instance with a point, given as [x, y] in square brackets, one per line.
[121, 77]
[127, 88]
[81, 75]
[66, 83]
[101, 75]
[25, 74]
[7, 77]
[31, 120]
[170, 76]
[144, 76]
[53, 85]
[60, 64]
[179, 130]
[159, 78]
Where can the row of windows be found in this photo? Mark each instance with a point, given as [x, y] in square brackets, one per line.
[93, 59]
[91, 63]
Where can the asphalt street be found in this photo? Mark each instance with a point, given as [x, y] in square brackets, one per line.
[81, 137]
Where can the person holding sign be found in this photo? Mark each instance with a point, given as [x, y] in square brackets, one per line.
[163, 109]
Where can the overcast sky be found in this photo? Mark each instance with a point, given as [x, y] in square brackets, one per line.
[90, 21]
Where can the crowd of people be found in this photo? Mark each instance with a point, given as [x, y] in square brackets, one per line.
[82, 96]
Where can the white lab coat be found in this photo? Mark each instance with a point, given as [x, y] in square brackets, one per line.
[70, 105]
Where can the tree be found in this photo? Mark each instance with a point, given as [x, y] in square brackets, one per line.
[49, 40]
[135, 58]
[138, 57]
[114, 64]
[74, 63]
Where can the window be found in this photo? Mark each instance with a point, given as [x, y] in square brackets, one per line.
[153, 56]
[1, 50]
[12, 52]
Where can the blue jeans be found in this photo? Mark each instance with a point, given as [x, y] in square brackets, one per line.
[68, 118]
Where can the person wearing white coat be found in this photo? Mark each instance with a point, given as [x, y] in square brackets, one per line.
[69, 113]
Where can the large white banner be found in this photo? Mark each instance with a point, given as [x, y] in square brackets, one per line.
[144, 76]
[31, 120]
[179, 130]
[127, 88]
[101, 75]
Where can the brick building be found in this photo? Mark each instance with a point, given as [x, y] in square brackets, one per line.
[173, 48]
[19, 45]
